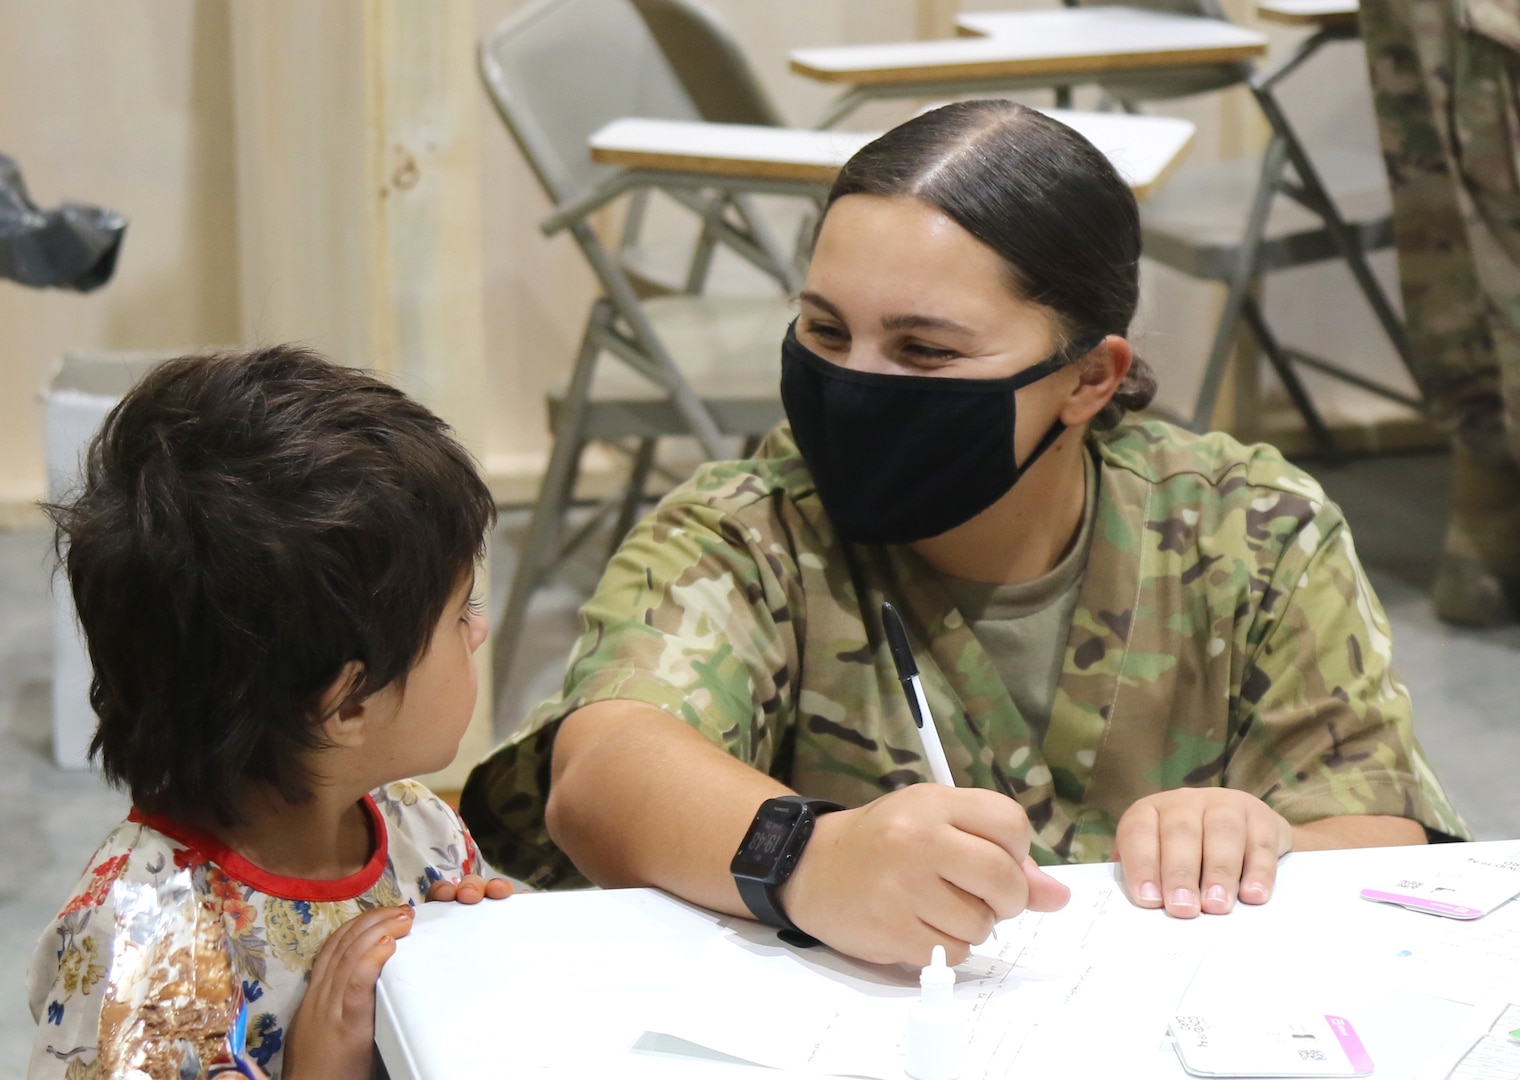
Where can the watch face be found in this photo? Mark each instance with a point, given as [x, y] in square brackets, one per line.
[766, 842]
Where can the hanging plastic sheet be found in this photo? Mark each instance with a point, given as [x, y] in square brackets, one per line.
[72, 247]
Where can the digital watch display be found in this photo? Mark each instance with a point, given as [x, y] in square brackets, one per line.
[768, 854]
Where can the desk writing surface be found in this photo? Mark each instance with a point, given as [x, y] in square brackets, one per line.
[1310, 12]
[801, 154]
[1067, 41]
[1145, 149]
[577, 984]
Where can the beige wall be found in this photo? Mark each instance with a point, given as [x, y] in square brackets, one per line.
[127, 106]
[131, 106]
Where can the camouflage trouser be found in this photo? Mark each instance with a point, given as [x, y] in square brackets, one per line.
[1444, 76]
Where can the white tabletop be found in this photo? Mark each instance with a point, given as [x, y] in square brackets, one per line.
[1145, 149]
[1311, 12]
[573, 984]
[1067, 41]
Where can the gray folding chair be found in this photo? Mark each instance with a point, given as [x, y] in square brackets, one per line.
[1194, 225]
[683, 363]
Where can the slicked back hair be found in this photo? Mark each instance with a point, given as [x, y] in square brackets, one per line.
[248, 523]
[1037, 193]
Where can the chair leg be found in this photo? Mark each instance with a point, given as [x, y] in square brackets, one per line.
[633, 493]
[553, 498]
[782, 266]
[1323, 438]
[1344, 237]
[706, 246]
[1241, 279]
[692, 409]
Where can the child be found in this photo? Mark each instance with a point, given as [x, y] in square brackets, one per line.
[272, 559]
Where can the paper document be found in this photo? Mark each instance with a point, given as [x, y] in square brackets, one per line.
[1490, 1053]
[1031, 995]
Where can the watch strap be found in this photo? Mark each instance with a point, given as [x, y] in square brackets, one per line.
[763, 903]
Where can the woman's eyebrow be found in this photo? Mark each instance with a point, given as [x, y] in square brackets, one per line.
[893, 322]
[817, 301]
[924, 322]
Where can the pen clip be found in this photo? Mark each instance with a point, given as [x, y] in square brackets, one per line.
[902, 659]
[897, 642]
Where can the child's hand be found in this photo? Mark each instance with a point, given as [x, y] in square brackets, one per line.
[472, 889]
[333, 1034]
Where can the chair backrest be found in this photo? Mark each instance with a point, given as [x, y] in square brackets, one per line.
[559, 70]
[709, 63]
[1180, 82]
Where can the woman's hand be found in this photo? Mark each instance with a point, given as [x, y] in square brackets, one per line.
[471, 889]
[927, 865]
[1217, 844]
[333, 1034]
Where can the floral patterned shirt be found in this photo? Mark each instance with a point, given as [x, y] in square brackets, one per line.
[276, 925]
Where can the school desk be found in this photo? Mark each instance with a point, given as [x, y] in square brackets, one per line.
[1145, 149]
[1017, 50]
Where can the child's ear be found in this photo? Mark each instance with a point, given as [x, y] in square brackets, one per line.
[342, 720]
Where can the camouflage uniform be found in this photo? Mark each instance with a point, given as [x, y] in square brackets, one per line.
[1224, 634]
[1444, 76]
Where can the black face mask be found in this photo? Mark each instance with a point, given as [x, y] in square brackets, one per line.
[899, 458]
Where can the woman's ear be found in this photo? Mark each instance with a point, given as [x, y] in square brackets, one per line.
[1101, 371]
[343, 720]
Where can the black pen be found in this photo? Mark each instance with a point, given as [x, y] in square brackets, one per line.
[907, 672]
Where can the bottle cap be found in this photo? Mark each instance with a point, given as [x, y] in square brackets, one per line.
[937, 973]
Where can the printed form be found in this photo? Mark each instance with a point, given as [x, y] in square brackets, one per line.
[1031, 995]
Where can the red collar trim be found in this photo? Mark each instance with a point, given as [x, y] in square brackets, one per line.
[240, 869]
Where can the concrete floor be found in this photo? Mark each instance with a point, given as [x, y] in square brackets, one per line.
[1464, 685]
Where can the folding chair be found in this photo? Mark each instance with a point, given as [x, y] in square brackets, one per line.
[683, 363]
[1194, 225]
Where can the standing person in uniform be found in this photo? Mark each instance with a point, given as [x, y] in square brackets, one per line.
[1135, 642]
[1446, 83]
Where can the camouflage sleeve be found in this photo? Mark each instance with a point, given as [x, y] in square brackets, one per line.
[1323, 724]
[694, 616]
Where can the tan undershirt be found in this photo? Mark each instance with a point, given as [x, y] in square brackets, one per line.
[1024, 627]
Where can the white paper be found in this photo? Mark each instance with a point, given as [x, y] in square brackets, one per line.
[1031, 995]
[1486, 1052]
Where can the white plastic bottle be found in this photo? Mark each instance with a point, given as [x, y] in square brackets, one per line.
[937, 1028]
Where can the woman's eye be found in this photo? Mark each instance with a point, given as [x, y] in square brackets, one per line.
[825, 332]
[928, 352]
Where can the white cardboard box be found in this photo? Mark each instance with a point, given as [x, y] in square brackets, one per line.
[84, 388]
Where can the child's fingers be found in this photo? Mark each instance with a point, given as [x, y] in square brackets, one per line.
[470, 889]
[359, 932]
[358, 993]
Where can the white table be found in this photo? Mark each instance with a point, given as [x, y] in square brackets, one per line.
[569, 984]
[1027, 49]
[1145, 149]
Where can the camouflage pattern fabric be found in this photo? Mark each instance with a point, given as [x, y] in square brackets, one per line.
[1444, 77]
[1224, 635]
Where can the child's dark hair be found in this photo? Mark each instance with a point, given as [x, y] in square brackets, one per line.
[248, 524]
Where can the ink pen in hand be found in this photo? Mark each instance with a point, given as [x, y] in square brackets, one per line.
[907, 673]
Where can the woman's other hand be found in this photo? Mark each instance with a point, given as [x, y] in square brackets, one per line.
[1201, 849]
[470, 889]
[923, 866]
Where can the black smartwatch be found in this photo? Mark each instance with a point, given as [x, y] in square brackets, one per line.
[768, 854]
